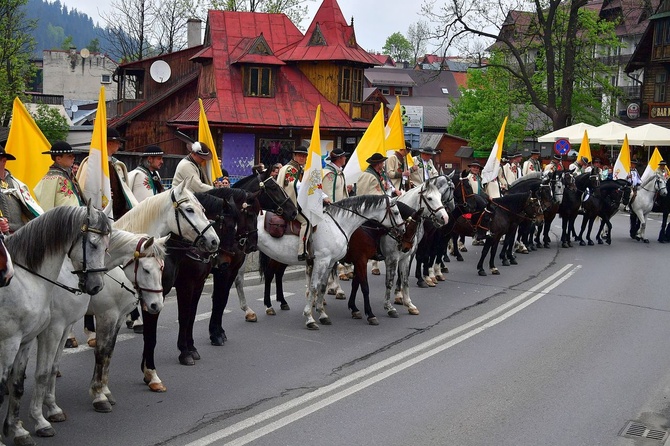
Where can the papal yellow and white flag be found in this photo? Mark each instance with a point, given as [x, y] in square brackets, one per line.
[395, 133]
[492, 166]
[96, 185]
[621, 168]
[310, 195]
[653, 165]
[27, 142]
[205, 135]
[373, 141]
[585, 148]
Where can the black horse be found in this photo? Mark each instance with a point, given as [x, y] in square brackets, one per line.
[271, 198]
[663, 206]
[504, 215]
[569, 207]
[604, 203]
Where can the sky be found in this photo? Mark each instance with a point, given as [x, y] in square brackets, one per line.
[374, 20]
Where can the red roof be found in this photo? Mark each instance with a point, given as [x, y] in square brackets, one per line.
[232, 34]
[328, 38]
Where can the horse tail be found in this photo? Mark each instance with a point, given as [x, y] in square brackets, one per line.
[263, 262]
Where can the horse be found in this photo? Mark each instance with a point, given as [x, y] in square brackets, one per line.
[135, 264]
[604, 203]
[329, 243]
[6, 265]
[464, 217]
[272, 197]
[363, 246]
[644, 201]
[543, 227]
[505, 213]
[178, 213]
[664, 209]
[569, 207]
[38, 253]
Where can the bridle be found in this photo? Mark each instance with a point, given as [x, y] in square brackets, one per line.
[279, 209]
[86, 229]
[395, 231]
[179, 211]
[424, 200]
[135, 261]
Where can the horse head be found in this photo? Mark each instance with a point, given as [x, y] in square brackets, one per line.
[557, 186]
[533, 208]
[145, 271]
[411, 226]
[446, 187]
[660, 184]
[89, 255]
[272, 197]
[431, 198]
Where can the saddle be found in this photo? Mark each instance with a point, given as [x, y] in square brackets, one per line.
[276, 226]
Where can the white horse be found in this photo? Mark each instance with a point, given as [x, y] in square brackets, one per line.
[644, 201]
[329, 242]
[38, 250]
[176, 212]
[139, 259]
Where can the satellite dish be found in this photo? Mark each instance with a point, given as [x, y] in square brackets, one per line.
[74, 108]
[160, 71]
[84, 53]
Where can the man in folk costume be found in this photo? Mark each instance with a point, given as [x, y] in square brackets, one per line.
[510, 171]
[59, 187]
[425, 169]
[123, 199]
[580, 166]
[373, 182]
[661, 169]
[556, 164]
[195, 165]
[533, 163]
[396, 169]
[145, 181]
[634, 180]
[16, 203]
[289, 179]
[475, 178]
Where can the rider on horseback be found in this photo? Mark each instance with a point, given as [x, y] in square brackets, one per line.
[634, 180]
[289, 179]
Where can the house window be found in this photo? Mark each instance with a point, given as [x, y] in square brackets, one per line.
[659, 87]
[105, 79]
[386, 91]
[258, 82]
[351, 87]
[402, 91]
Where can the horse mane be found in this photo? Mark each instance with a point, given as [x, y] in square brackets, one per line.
[525, 183]
[612, 184]
[240, 196]
[140, 216]
[529, 176]
[33, 243]
[243, 183]
[513, 202]
[405, 210]
[356, 204]
[121, 239]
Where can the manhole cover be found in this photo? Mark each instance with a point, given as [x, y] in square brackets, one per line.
[635, 429]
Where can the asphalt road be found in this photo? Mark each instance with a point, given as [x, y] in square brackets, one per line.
[567, 348]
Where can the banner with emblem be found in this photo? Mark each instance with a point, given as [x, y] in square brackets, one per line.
[310, 197]
[373, 141]
[97, 186]
[492, 167]
[622, 163]
[27, 142]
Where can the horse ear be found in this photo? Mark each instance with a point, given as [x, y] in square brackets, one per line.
[161, 241]
[149, 242]
[178, 189]
[451, 175]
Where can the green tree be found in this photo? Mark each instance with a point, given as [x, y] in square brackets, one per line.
[552, 51]
[56, 36]
[398, 47]
[54, 125]
[16, 49]
[68, 42]
[94, 45]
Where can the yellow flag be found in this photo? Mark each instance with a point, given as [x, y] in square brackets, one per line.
[584, 148]
[622, 165]
[27, 142]
[205, 135]
[653, 165]
[373, 141]
[94, 181]
[395, 132]
[310, 197]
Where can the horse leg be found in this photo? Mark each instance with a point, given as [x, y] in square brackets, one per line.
[279, 286]
[108, 326]
[13, 427]
[249, 314]
[310, 323]
[391, 271]
[403, 273]
[643, 226]
[148, 364]
[661, 234]
[220, 293]
[495, 241]
[588, 232]
[319, 281]
[418, 275]
[579, 238]
[485, 251]
[359, 276]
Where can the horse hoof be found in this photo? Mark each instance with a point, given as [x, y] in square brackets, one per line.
[129, 323]
[340, 296]
[284, 307]
[312, 326]
[646, 240]
[194, 353]
[373, 321]
[505, 262]
[157, 387]
[582, 243]
[325, 321]
[413, 311]
[393, 314]
[251, 317]
[356, 315]
[638, 238]
[590, 243]
[398, 301]
[513, 262]
[57, 417]
[376, 272]
[71, 343]
[460, 259]
[533, 248]
[332, 291]
[92, 342]
[608, 241]
[343, 277]
[270, 311]
[350, 275]
[481, 272]
[58, 374]
[217, 340]
[421, 284]
[440, 278]
[102, 406]
[26, 440]
[547, 245]
[45, 432]
[495, 272]
[564, 245]
[463, 249]
[186, 359]
[600, 242]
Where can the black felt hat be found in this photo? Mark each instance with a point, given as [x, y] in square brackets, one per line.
[4, 154]
[301, 149]
[376, 158]
[153, 151]
[60, 148]
[336, 153]
[113, 135]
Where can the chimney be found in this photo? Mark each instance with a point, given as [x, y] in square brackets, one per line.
[194, 32]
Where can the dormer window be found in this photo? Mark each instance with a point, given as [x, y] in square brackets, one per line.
[351, 85]
[258, 82]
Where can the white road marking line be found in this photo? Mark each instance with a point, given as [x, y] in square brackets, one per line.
[382, 369]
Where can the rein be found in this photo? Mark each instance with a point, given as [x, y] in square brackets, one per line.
[388, 211]
[135, 261]
[279, 205]
[179, 211]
